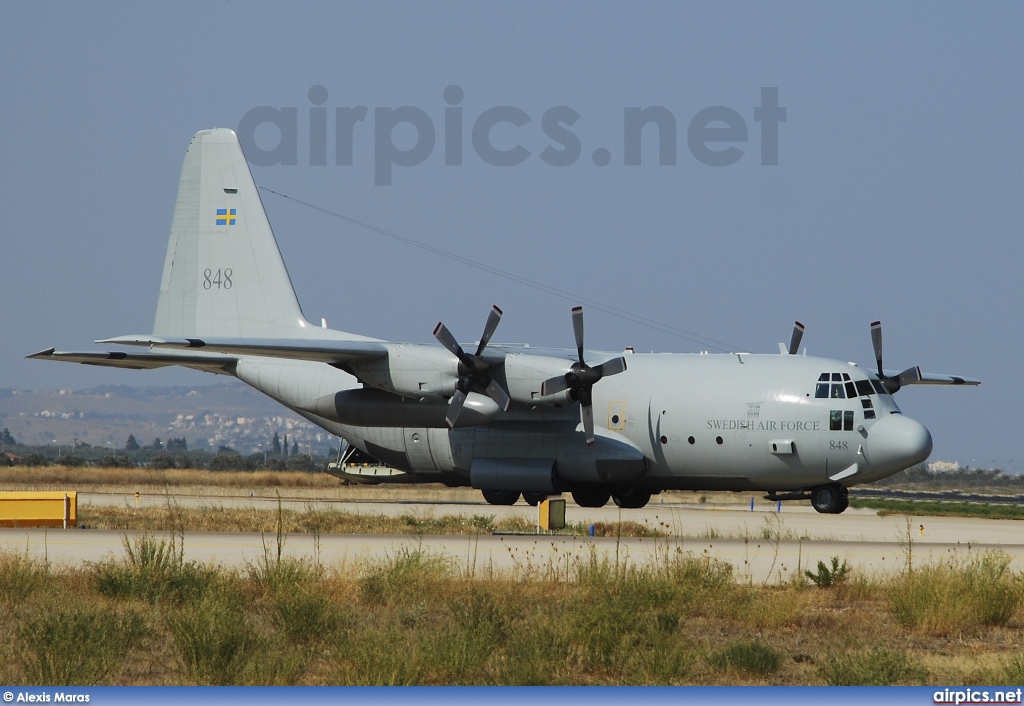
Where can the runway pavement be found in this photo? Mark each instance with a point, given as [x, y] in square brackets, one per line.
[761, 545]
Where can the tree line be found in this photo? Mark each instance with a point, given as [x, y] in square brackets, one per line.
[161, 455]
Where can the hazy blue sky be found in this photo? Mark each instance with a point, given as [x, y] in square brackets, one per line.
[897, 194]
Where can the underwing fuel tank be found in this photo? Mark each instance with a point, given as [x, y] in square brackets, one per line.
[367, 407]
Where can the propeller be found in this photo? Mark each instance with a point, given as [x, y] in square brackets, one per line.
[798, 334]
[891, 383]
[581, 378]
[473, 369]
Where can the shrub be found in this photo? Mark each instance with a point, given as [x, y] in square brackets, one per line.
[76, 645]
[153, 570]
[162, 462]
[826, 577]
[214, 639]
[958, 594]
[20, 576]
[878, 667]
[1013, 671]
[410, 572]
[229, 462]
[307, 617]
[750, 657]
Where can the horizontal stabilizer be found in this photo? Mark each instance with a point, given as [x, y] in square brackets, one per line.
[324, 351]
[206, 362]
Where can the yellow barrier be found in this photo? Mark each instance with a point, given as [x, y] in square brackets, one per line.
[44, 509]
[552, 514]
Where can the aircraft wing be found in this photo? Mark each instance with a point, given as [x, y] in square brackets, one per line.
[207, 362]
[319, 350]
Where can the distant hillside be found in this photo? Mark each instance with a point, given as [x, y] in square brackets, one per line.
[229, 414]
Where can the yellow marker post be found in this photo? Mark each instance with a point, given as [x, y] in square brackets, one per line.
[136, 496]
[552, 514]
[921, 530]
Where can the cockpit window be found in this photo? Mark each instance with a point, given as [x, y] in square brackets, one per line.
[864, 388]
[840, 386]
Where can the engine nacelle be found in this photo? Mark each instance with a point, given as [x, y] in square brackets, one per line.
[525, 373]
[412, 371]
[367, 407]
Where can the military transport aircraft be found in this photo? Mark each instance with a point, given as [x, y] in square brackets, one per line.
[511, 420]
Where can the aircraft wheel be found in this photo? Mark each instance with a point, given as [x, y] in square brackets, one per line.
[632, 498]
[844, 501]
[501, 497]
[830, 499]
[591, 498]
[534, 498]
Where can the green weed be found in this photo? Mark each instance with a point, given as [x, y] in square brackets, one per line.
[409, 572]
[153, 570]
[306, 617]
[20, 576]
[77, 645]
[749, 657]
[877, 667]
[826, 577]
[214, 639]
[957, 594]
[937, 508]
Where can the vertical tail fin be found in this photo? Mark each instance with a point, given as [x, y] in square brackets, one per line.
[223, 275]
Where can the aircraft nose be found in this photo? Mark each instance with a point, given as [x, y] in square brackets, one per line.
[898, 442]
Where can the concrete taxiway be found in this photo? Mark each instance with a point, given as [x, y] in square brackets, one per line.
[762, 545]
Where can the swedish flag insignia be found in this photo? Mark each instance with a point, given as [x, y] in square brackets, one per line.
[225, 216]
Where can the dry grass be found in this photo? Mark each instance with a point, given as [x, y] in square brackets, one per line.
[171, 518]
[262, 484]
[43, 477]
[153, 618]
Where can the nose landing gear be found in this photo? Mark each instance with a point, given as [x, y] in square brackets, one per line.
[830, 499]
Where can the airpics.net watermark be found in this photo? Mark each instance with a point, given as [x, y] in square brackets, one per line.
[712, 134]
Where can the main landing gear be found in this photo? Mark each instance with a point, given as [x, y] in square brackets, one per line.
[626, 499]
[631, 499]
[830, 499]
[501, 497]
[591, 498]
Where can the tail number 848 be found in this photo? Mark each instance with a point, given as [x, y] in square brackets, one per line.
[217, 279]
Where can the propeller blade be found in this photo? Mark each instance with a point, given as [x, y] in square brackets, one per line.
[553, 385]
[498, 394]
[577, 328]
[910, 376]
[446, 339]
[611, 367]
[492, 323]
[587, 412]
[458, 401]
[876, 342]
[798, 334]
